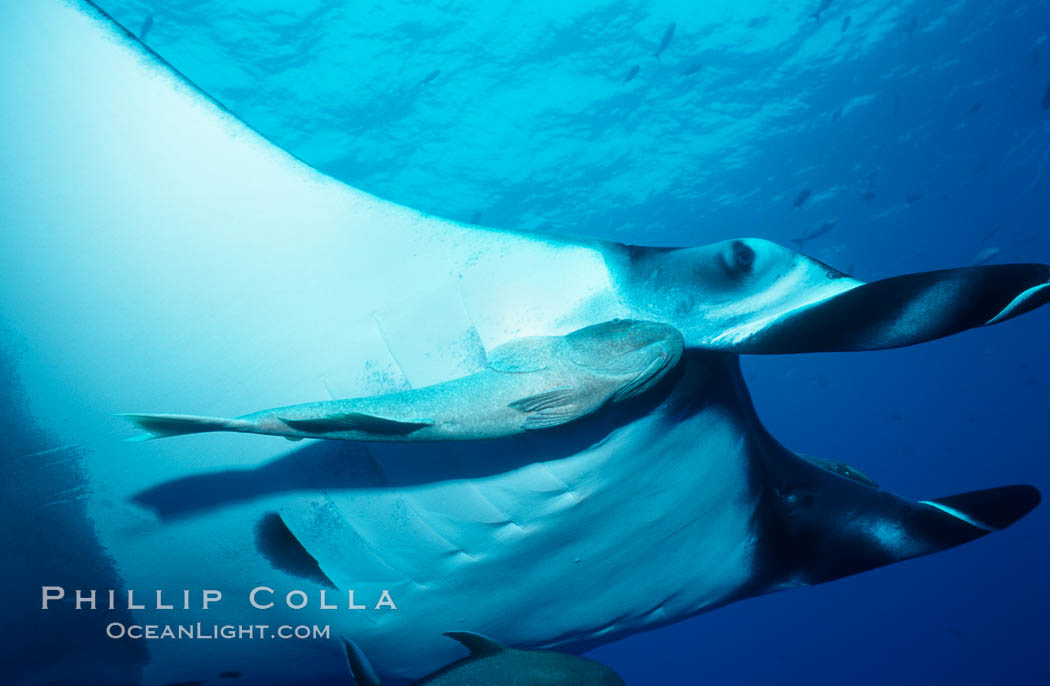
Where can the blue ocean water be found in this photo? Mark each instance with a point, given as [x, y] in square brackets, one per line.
[921, 133]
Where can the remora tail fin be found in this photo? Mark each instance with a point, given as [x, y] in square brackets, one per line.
[166, 425]
[357, 421]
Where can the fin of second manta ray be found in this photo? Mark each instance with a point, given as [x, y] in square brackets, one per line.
[478, 645]
[360, 668]
[357, 421]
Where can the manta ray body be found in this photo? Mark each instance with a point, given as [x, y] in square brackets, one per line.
[160, 255]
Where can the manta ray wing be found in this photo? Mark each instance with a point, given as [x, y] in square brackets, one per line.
[176, 262]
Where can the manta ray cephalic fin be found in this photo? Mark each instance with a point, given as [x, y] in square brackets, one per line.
[360, 668]
[357, 421]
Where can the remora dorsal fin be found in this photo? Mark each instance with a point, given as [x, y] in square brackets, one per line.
[357, 421]
[521, 356]
[478, 645]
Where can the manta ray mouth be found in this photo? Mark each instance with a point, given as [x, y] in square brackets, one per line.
[905, 310]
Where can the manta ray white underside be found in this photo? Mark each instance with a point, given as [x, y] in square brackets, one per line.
[158, 254]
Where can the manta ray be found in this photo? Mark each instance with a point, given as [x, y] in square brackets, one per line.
[159, 255]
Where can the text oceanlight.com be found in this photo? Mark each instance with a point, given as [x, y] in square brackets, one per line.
[201, 631]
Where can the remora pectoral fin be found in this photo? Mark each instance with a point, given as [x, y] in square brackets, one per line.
[356, 421]
[908, 309]
[547, 409]
[647, 377]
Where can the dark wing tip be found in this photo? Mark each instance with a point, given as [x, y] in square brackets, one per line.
[992, 508]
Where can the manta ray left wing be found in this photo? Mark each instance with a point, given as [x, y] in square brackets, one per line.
[908, 309]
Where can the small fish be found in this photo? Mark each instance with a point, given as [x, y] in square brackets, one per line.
[974, 108]
[985, 256]
[1035, 58]
[824, 4]
[431, 76]
[494, 664]
[147, 24]
[988, 234]
[801, 198]
[631, 73]
[911, 25]
[914, 197]
[846, 22]
[818, 231]
[980, 167]
[867, 196]
[665, 41]
[896, 102]
[836, 114]
[843, 469]
[692, 68]
[1046, 97]
[475, 218]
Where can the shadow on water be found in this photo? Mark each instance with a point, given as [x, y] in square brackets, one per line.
[49, 539]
